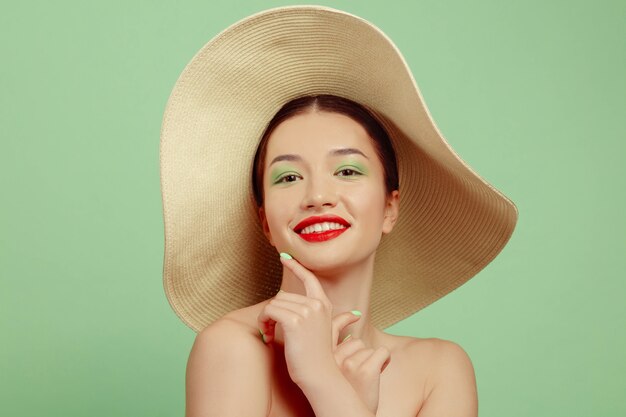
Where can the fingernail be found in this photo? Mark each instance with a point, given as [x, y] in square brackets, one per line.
[285, 255]
[346, 338]
[356, 313]
[262, 336]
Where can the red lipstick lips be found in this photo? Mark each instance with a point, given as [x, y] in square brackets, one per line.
[321, 236]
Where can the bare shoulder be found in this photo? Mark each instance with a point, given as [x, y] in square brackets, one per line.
[227, 362]
[232, 336]
[422, 352]
[450, 384]
[228, 328]
[435, 350]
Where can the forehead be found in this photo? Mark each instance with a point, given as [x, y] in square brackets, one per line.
[317, 133]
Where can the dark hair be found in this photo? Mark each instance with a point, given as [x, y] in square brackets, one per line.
[331, 104]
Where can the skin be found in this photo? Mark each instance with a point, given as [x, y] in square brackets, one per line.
[304, 368]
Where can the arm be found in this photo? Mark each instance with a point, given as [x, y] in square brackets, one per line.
[332, 395]
[226, 365]
[453, 388]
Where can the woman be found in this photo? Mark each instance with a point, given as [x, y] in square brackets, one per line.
[326, 189]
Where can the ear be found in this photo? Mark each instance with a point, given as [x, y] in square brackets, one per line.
[392, 208]
[266, 228]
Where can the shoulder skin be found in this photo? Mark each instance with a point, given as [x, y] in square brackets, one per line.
[450, 388]
[228, 373]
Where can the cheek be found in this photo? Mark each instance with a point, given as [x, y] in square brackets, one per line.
[276, 211]
[372, 197]
[367, 205]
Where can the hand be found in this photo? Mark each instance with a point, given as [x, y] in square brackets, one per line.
[306, 323]
[361, 366]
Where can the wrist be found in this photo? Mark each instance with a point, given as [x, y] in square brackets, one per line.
[321, 377]
[331, 394]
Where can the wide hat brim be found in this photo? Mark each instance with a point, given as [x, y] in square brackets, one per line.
[452, 223]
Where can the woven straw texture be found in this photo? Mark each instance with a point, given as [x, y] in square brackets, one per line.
[452, 223]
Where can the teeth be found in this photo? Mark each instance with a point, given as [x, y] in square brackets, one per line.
[321, 227]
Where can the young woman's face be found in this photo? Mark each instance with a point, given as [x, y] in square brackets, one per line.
[324, 194]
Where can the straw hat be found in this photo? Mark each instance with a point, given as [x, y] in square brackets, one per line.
[452, 223]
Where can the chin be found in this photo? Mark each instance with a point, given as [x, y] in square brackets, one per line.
[323, 265]
[331, 263]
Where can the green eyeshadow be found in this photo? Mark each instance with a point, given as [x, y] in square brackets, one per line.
[354, 164]
[280, 171]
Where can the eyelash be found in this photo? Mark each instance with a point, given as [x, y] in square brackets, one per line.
[354, 172]
[283, 178]
[286, 175]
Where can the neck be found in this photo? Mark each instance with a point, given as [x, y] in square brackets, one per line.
[347, 289]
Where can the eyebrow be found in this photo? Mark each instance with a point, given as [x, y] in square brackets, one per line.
[334, 152]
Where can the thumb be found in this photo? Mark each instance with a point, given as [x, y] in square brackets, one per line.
[340, 321]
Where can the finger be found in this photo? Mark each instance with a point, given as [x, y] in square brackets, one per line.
[312, 285]
[291, 296]
[357, 359]
[379, 359]
[268, 317]
[348, 348]
[266, 325]
[306, 305]
[296, 307]
[340, 321]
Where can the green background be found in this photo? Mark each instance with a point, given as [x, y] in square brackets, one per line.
[531, 94]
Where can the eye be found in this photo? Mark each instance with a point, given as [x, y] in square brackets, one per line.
[348, 172]
[288, 177]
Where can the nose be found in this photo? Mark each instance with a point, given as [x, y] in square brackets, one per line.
[319, 193]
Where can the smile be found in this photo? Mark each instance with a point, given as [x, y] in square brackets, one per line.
[321, 228]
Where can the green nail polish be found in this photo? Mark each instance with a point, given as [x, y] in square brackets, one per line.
[346, 338]
[262, 336]
[356, 313]
[285, 255]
